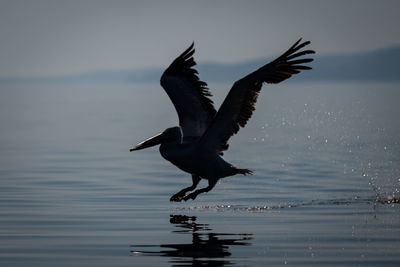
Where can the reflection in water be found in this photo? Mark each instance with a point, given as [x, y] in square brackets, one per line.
[205, 249]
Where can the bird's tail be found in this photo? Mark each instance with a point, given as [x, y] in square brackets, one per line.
[244, 171]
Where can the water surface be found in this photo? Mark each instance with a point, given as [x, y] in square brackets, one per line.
[325, 159]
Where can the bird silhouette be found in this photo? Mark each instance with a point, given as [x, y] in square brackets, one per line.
[197, 144]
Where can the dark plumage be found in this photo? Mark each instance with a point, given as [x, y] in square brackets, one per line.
[195, 105]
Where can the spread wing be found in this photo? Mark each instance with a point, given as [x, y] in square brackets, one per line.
[189, 94]
[238, 105]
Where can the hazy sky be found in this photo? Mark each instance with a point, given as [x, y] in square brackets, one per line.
[62, 37]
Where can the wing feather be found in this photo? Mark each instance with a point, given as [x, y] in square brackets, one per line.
[239, 104]
[190, 95]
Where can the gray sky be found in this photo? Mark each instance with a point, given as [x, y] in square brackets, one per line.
[64, 37]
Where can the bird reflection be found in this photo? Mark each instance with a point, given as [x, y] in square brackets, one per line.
[206, 248]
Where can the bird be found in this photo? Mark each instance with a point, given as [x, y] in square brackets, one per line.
[197, 144]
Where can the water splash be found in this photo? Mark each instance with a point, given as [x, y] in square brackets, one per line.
[390, 199]
[316, 202]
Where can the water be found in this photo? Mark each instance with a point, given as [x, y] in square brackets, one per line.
[325, 159]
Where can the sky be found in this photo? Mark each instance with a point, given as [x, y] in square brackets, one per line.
[44, 38]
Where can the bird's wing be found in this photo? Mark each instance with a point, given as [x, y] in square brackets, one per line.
[238, 105]
[189, 94]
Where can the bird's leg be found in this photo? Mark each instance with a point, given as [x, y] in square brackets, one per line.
[193, 195]
[179, 196]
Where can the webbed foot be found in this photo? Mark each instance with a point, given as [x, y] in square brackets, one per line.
[176, 198]
[190, 196]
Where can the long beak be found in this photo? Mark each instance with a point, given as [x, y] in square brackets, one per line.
[152, 141]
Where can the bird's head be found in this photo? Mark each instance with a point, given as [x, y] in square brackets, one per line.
[170, 135]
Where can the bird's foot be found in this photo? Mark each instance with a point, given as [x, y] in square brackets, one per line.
[190, 196]
[176, 198]
[244, 171]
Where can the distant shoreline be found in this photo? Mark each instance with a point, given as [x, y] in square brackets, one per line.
[379, 65]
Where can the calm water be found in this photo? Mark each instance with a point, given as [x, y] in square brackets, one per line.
[324, 156]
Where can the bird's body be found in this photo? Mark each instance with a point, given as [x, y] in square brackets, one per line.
[186, 156]
[196, 145]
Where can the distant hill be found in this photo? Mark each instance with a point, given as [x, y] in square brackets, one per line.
[380, 65]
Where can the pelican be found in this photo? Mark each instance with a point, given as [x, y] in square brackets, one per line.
[197, 144]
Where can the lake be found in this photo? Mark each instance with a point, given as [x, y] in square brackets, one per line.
[325, 156]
